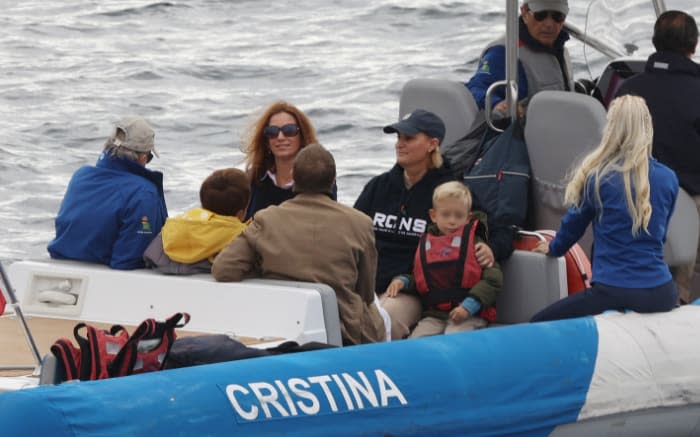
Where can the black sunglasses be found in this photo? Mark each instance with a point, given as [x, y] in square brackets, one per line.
[557, 16]
[288, 130]
[150, 157]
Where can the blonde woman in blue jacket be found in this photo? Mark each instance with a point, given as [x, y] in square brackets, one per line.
[629, 197]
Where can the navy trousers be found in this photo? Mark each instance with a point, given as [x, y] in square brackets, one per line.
[599, 298]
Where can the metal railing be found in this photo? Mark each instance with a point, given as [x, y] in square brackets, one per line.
[12, 302]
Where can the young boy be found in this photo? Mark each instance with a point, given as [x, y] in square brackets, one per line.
[189, 242]
[456, 293]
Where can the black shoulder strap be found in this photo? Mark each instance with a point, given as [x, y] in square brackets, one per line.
[480, 148]
[69, 357]
[463, 246]
[424, 260]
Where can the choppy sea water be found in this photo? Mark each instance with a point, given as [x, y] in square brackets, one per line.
[200, 70]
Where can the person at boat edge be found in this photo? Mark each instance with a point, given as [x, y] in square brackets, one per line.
[313, 238]
[628, 197]
[670, 84]
[452, 286]
[111, 211]
[398, 201]
[544, 62]
[188, 243]
[270, 144]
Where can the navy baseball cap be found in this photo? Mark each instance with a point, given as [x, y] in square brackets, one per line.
[419, 121]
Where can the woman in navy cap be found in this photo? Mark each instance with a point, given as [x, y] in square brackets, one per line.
[398, 202]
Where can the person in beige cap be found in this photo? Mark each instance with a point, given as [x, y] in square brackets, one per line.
[111, 211]
[544, 62]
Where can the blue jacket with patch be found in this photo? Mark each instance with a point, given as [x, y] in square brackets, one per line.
[110, 213]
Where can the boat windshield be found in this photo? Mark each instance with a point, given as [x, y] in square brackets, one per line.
[625, 26]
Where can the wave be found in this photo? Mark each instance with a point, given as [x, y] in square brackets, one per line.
[150, 8]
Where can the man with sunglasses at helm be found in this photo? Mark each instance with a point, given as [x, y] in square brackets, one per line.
[544, 62]
[111, 211]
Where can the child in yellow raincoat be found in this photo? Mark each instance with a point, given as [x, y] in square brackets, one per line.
[188, 243]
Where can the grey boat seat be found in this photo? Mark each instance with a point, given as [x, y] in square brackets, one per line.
[561, 128]
[683, 229]
[449, 100]
[531, 281]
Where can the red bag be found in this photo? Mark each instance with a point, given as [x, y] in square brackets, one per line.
[578, 267]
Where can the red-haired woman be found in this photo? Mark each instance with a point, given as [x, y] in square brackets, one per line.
[271, 144]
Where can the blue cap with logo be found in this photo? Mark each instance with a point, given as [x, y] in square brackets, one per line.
[417, 121]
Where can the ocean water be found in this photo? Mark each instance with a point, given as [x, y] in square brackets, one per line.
[200, 70]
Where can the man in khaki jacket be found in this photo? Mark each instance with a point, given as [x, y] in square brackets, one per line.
[314, 239]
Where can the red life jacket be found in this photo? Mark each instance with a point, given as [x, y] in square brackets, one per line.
[104, 354]
[445, 268]
[148, 346]
[95, 353]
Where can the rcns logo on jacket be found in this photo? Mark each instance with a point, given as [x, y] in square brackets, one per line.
[399, 225]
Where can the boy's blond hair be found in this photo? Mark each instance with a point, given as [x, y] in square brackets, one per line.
[453, 190]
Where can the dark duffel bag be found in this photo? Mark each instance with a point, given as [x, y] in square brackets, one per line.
[208, 349]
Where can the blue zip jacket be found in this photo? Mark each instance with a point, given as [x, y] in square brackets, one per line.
[620, 259]
[110, 213]
[670, 85]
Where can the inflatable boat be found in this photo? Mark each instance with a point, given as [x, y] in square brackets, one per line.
[613, 374]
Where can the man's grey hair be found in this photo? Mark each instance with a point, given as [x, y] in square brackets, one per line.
[120, 151]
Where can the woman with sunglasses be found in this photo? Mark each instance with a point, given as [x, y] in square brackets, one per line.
[271, 144]
[543, 64]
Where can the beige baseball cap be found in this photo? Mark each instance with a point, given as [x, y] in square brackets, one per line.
[139, 135]
[549, 5]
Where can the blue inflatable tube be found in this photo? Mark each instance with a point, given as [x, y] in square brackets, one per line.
[524, 379]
